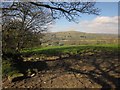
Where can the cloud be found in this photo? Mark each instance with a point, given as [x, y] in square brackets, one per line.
[100, 24]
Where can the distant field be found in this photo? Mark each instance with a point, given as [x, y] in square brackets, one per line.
[78, 38]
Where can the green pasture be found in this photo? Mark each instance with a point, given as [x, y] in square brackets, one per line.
[53, 50]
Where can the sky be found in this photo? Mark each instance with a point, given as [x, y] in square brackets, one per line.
[106, 22]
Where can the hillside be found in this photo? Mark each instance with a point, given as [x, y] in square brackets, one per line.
[78, 38]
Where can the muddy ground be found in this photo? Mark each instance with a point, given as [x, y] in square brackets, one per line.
[77, 71]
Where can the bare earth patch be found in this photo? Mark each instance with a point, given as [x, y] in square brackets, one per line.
[74, 72]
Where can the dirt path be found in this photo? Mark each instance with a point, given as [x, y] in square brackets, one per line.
[74, 72]
[50, 80]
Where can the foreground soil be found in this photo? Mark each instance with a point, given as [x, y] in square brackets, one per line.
[77, 71]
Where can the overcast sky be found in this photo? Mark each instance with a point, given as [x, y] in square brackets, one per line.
[106, 22]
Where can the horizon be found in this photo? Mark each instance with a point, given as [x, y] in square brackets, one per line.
[81, 32]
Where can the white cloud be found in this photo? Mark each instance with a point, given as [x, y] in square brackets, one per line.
[101, 24]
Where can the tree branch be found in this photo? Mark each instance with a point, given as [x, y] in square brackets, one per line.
[48, 6]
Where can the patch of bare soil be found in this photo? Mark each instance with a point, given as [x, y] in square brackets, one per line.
[73, 72]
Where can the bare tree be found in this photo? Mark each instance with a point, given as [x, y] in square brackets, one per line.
[23, 27]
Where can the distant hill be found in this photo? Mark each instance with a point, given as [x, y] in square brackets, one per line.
[75, 37]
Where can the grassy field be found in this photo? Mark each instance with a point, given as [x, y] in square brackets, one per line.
[56, 50]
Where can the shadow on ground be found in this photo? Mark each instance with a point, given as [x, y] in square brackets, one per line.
[103, 70]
